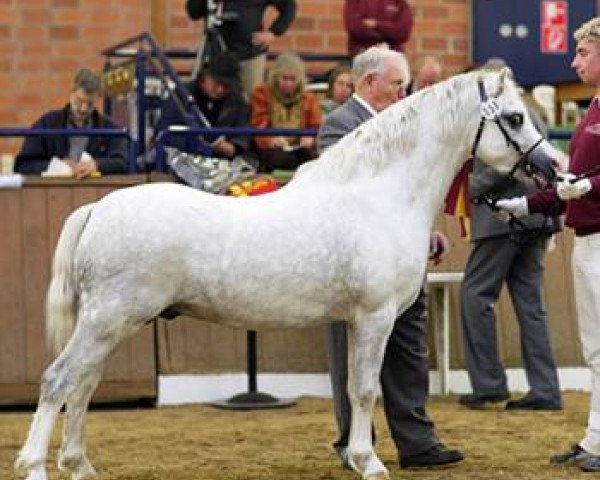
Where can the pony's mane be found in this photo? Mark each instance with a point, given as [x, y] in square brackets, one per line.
[366, 149]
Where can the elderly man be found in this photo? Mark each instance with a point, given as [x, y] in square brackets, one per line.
[381, 76]
[85, 155]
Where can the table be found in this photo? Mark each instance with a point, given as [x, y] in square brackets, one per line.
[439, 290]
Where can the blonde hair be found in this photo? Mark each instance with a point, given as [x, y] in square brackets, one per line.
[589, 30]
[289, 62]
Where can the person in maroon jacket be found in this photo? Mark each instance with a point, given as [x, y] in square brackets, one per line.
[371, 22]
[578, 195]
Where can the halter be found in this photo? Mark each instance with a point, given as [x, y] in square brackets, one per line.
[492, 111]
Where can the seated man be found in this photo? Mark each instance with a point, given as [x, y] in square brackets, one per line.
[217, 93]
[85, 155]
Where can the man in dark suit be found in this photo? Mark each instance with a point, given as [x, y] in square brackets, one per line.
[381, 77]
[84, 154]
[514, 255]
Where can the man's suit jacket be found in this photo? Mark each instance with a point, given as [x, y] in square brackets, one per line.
[484, 224]
[341, 121]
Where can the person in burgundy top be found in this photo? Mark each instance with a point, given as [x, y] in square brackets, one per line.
[371, 22]
[578, 195]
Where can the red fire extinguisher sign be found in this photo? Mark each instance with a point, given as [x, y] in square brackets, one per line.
[554, 26]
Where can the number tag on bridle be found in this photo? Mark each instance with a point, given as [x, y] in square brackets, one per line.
[490, 109]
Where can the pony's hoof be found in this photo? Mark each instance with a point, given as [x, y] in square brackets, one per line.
[377, 476]
[80, 466]
[24, 469]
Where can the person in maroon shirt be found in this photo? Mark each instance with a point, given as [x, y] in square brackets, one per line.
[578, 195]
[371, 22]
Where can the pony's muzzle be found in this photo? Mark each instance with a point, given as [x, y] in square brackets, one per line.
[542, 165]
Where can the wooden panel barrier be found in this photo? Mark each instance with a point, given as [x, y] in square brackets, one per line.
[30, 222]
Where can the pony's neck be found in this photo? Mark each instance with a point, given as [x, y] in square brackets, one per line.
[412, 150]
[435, 142]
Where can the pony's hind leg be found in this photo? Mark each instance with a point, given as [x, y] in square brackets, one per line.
[72, 454]
[54, 390]
[366, 348]
[72, 377]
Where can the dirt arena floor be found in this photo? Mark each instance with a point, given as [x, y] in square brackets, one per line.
[201, 442]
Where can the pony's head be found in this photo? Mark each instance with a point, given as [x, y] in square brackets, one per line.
[507, 139]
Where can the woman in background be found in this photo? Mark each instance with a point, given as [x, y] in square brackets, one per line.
[339, 88]
[284, 102]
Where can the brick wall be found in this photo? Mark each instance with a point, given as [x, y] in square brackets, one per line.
[441, 28]
[46, 41]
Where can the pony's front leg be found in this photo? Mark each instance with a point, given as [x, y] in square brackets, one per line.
[367, 340]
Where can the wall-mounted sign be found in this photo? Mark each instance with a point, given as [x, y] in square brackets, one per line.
[554, 26]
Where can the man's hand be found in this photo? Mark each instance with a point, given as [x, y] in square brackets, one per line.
[278, 142]
[264, 38]
[307, 142]
[568, 188]
[85, 166]
[438, 247]
[224, 148]
[516, 206]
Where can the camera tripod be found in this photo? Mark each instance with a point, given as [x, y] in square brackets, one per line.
[211, 42]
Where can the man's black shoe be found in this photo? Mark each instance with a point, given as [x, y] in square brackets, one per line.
[529, 402]
[434, 457]
[474, 400]
[591, 464]
[575, 454]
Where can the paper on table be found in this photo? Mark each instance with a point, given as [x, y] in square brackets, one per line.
[14, 180]
[57, 168]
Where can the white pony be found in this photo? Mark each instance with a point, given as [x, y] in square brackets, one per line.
[347, 238]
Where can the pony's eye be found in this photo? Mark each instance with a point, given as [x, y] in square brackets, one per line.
[514, 120]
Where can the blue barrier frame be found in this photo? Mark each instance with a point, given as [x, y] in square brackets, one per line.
[149, 57]
[76, 132]
[554, 134]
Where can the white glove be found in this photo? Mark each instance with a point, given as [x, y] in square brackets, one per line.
[568, 189]
[517, 206]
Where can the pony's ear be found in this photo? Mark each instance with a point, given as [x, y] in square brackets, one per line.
[505, 74]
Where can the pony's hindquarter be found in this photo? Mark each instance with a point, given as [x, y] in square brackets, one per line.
[61, 305]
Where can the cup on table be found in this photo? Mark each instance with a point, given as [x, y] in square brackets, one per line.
[7, 164]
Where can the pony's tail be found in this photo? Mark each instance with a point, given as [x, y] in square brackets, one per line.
[61, 307]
